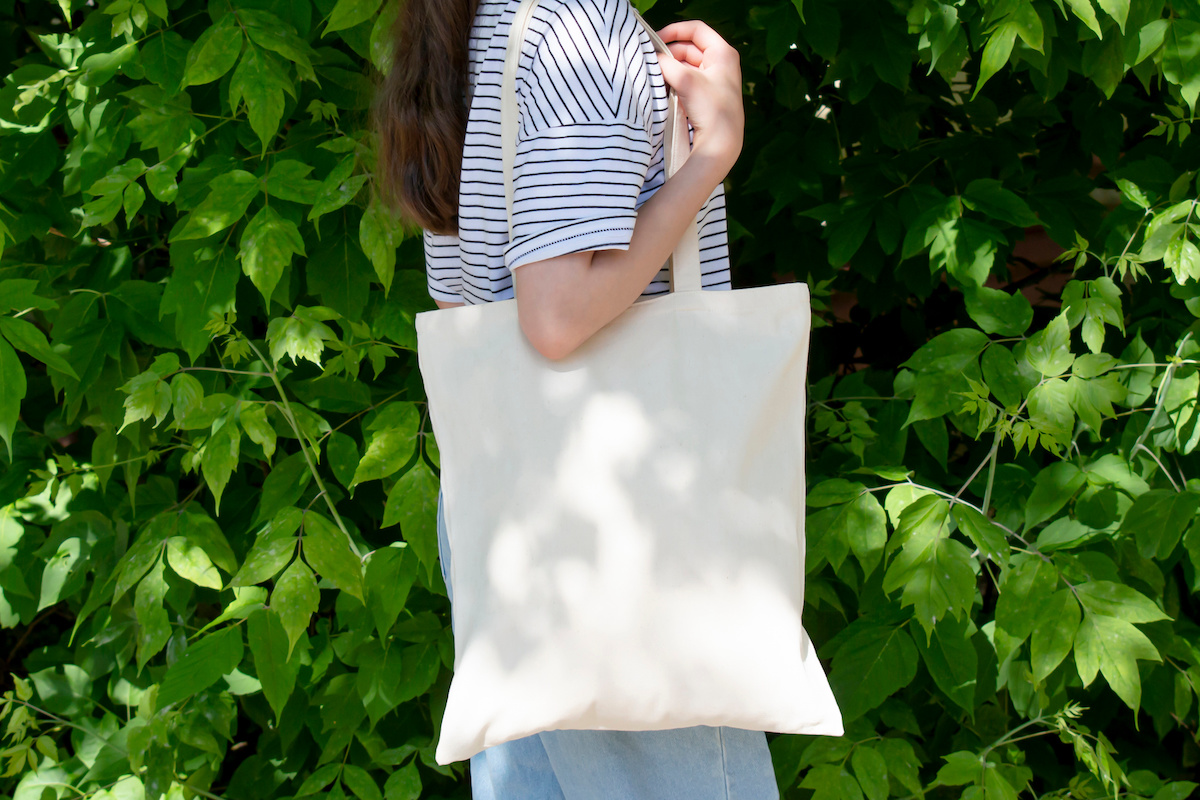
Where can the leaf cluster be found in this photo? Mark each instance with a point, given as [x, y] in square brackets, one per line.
[218, 483]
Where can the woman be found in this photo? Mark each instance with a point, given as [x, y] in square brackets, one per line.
[593, 223]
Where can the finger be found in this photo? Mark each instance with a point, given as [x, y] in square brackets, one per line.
[692, 30]
[687, 52]
[677, 74]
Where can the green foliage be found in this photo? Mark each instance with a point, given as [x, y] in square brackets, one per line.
[218, 488]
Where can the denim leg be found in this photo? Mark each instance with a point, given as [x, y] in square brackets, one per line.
[516, 770]
[700, 763]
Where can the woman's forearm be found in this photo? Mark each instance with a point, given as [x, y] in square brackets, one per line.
[563, 301]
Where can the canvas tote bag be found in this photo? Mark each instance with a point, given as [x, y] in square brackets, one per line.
[627, 523]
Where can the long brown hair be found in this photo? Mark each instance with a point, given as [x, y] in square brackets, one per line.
[421, 112]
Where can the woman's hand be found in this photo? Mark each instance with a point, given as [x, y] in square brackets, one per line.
[707, 76]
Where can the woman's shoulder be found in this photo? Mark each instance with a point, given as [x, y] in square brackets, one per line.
[602, 18]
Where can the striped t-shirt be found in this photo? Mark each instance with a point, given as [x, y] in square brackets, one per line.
[592, 112]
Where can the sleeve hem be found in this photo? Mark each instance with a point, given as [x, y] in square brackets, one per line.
[579, 237]
[439, 292]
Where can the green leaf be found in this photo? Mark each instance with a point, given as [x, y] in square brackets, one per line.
[902, 762]
[361, 783]
[225, 205]
[295, 598]
[1062, 534]
[1051, 413]
[870, 666]
[834, 491]
[961, 768]
[1003, 376]
[392, 444]
[998, 312]
[319, 779]
[1053, 487]
[1181, 60]
[253, 418]
[343, 455]
[300, 336]
[863, 525]
[1086, 13]
[339, 188]
[988, 196]
[164, 57]
[344, 279]
[871, 770]
[18, 294]
[12, 391]
[933, 570]
[412, 502]
[1054, 633]
[379, 235]
[1092, 399]
[267, 246]
[390, 574]
[1149, 39]
[1049, 350]
[995, 53]
[1023, 595]
[1176, 790]
[1157, 520]
[831, 782]
[191, 563]
[201, 665]
[203, 531]
[404, 783]
[284, 485]
[1118, 600]
[28, 338]
[276, 671]
[382, 39]
[154, 628]
[965, 248]
[132, 200]
[202, 284]
[149, 396]
[348, 13]
[145, 551]
[327, 549]
[288, 180]
[270, 32]
[220, 457]
[991, 540]
[1183, 259]
[1117, 9]
[1029, 26]
[214, 53]
[273, 548]
[262, 82]
[996, 786]
[1113, 646]
[952, 661]
[951, 351]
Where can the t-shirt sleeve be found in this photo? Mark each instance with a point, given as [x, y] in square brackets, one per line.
[584, 141]
[443, 267]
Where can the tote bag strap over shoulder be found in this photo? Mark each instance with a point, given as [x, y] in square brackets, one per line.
[684, 263]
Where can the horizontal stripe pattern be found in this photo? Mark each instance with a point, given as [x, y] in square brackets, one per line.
[593, 109]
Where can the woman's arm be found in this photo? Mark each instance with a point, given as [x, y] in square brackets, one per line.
[563, 301]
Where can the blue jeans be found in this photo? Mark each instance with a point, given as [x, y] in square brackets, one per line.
[700, 763]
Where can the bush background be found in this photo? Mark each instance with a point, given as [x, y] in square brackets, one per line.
[217, 484]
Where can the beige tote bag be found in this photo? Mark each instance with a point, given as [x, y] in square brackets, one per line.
[627, 524]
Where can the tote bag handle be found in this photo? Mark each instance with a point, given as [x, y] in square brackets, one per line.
[684, 263]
